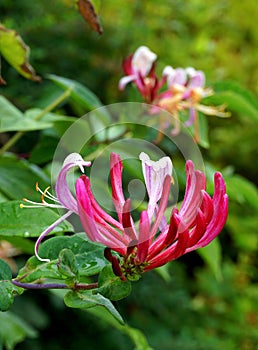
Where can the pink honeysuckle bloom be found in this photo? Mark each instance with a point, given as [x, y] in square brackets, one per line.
[64, 198]
[139, 68]
[186, 89]
[153, 243]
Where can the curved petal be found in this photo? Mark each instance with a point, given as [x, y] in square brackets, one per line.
[220, 203]
[167, 237]
[143, 60]
[207, 206]
[154, 175]
[85, 212]
[127, 65]
[95, 221]
[195, 183]
[197, 80]
[125, 80]
[46, 232]
[63, 192]
[198, 231]
[171, 253]
[144, 238]
[162, 205]
[116, 169]
[127, 222]
[192, 117]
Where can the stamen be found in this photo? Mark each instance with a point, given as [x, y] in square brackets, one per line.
[38, 205]
[44, 194]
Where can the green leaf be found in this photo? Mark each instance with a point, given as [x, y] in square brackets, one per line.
[44, 150]
[35, 270]
[89, 256]
[244, 231]
[111, 286]
[7, 289]
[8, 110]
[12, 119]
[25, 222]
[14, 330]
[88, 259]
[16, 53]
[80, 94]
[136, 335]
[163, 271]
[7, 293]
[236, 98]
[5, 271]
[18, 178]
[67, 264]
[138, 338]
[211, 254]
[242, 190]
[85, 300]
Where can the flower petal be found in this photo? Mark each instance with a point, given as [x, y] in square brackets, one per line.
[86, 211]
[116, 169]
[125, 80]
[47, 231]
[154, 175]
[195, 183]
[167, 236]
[220, 203]
[95, 221]
[127, 222]
[63, 192]
[144, 238]
[143, 60]
[172, 252]
[162, 205]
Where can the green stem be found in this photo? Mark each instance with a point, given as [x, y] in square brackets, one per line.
[46, 110]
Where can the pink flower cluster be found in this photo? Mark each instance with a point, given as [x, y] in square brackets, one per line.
[154, 241]
[178, 89]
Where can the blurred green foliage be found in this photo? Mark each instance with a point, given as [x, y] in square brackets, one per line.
[191, 311]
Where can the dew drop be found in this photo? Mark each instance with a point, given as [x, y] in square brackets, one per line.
[26, 234]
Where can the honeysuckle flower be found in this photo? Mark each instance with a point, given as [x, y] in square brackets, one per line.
[186, 89]
[139, 68]
[153, 243]
[64, 198]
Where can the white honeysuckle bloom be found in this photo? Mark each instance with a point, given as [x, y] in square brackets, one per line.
[197, 77]
[174, 76]
[154, 173]
[143, 60]
[190, 71]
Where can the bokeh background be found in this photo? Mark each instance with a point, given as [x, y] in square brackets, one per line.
[187, 308]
